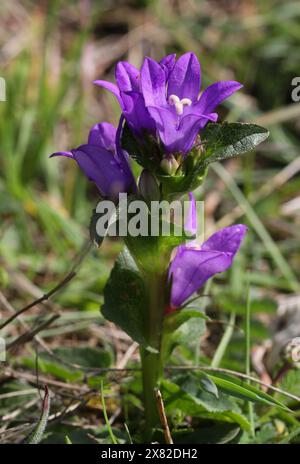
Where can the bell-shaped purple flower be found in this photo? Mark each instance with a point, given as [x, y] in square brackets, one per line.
[103, 162]
[193, 266]
[163, 99]
[172, 99]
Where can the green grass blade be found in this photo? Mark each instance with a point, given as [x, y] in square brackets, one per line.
[242, 390]
[111, 434]
[248, 357]
[220, 351]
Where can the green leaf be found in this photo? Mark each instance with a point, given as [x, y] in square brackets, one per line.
[188, 334]
[223, 141]
[266, 434]
[125, 299]
[65, 362]
[209, 386]
[85, 356]
[187, 387]
[55, 368]
[146, 152]
[174, 320]
[202, 389]
[95, 237]
[220, 433]
[184, 326]
[187, 394]
[290, 382]
[240, 389]
[130, 143]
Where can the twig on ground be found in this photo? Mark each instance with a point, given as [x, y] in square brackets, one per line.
[66, 280]
[5, 303]
[163, 417]
[127, 356]
[8, 372]
[28, 336]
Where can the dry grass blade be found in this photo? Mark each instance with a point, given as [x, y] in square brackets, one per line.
[163, 417]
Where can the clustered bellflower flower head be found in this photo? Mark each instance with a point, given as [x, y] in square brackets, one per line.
[103, 161]
[192, 266]
[163, 99]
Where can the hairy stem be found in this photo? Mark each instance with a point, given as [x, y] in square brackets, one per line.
[152, 367]
[150, 374]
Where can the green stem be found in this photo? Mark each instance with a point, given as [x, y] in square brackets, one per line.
[150, 376]
[153, 264]
[152, 360]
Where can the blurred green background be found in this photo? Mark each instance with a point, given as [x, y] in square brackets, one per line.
[50, 53]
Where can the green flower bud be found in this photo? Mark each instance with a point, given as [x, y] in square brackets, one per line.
[148, 186]
[169, 165]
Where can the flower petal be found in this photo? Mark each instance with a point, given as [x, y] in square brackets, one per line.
[215, 94]
[127, 77]
[189, 127]
[191, 268]
[167, 63]
[136, 113]
[153, 83]
[103, 135]
[177, 135]
[185, 78]
[166, 122]
[112, 88]
[190, 225]
[101, 167]
[228, 239]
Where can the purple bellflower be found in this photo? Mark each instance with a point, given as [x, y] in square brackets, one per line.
[163, 99]
[193, 266]
[103, 162]
[174, 103]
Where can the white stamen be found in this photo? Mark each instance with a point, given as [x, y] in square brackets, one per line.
[179, 108]
[173, 99]
[186, 102]
[179, 104]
